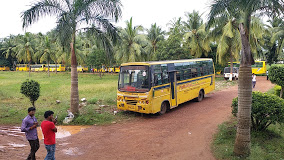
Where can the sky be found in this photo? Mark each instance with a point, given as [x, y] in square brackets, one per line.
[145, 13]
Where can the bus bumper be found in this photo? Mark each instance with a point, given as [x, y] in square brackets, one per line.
[141, 108]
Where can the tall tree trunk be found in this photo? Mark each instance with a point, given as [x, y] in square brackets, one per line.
[74, 79]
[242, 142]
[231, 69]
[55, 67]
[48, 68]
[33, 103]
[29, 68]
[281, 92]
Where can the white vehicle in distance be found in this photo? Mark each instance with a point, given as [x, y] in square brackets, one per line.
[227, 73]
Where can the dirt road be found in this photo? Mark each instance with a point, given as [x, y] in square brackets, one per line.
[184, 133]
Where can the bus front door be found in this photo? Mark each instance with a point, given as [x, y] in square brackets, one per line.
[173, 89]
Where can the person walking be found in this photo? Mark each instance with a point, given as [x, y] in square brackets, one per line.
[253, 80]
[48, 129]
[29, 126]
[267, 75]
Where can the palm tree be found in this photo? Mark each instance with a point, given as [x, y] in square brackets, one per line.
[196, 36]
[45, 51]
[25, 49]
[256, 37]
[132, 47]
[8, 47]
[271, 47]
[227, 36]
[278, 35]
[193, 21]
[244, 9]
[70, 15]
[155, 34]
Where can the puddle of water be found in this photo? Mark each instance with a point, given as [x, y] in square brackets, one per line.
[62, 131]
[72, 151]
[16, 145]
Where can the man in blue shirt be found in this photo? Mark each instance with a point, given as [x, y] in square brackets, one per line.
[29, 127]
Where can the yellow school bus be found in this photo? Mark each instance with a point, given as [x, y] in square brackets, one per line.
[82, 68]
[115, 69]
[102, 70]
[53, 67]
[258, 68]
[158, 86]
[38, 68]
[4, 68]
[22, 67]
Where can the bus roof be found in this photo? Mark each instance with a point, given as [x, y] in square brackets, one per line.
[165, 62]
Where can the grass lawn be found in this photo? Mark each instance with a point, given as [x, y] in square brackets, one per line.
[266, 145]
[14, 105]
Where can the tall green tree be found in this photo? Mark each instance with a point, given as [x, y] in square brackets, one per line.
[244, 10]
[132, 47]
[172, 48]
[196, 36]
[227, 37]
[25, 51]
[270, 46]
[46, 50]
[154, 35]
[278, 36]
[7, 50]
[94, 15]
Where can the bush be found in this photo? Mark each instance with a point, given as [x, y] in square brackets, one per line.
[31, 89]
[276, 76]
[277, 90]
[266, 109]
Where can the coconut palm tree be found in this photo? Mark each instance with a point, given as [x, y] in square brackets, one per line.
[244, 10]
[278, 35]
[193, 21]
[132, 47]
[196, 36]
[45, 52]
[25, 45]
[154, 35]
[71, 15]
[8, 48]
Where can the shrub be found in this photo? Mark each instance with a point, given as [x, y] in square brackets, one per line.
[266, 109]
[31, 89]
[277, 90]
[276, 76]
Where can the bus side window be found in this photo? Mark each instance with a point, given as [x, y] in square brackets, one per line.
[193, 72]
[165, 75]
[158, 79]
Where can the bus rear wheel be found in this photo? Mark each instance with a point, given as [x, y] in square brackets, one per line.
[164, 108]
[200, 96]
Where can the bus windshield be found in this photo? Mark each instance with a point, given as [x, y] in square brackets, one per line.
[134, 79]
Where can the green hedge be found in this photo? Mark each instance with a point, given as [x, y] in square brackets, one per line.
[266, 109]
[277, 90]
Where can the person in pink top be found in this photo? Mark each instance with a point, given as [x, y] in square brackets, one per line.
[48, 129]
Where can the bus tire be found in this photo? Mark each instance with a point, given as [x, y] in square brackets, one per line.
[200, 96]
[164, 108]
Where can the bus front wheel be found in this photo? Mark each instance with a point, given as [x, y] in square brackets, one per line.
[164, 108]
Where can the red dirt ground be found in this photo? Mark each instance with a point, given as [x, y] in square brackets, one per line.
[184, 133]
